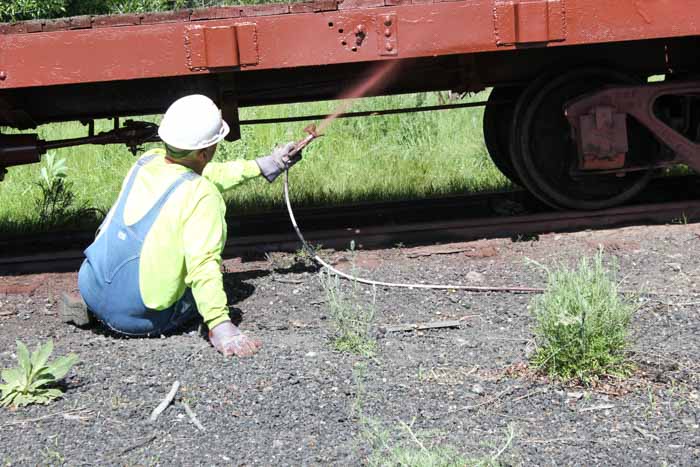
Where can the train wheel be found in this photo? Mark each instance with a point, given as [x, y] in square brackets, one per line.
[498, 116]
[544, 153]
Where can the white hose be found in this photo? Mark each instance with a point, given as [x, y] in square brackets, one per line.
[319, 260]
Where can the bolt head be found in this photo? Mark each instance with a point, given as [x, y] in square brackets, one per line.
[3, 76]
[389, 46]
[387, 32]
[360, 28]
[387, 21]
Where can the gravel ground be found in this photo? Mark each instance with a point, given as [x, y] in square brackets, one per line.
[299, 402]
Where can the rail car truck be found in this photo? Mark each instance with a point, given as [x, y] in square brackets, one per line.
[573, 115]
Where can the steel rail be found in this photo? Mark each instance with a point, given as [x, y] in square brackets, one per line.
[377, 236]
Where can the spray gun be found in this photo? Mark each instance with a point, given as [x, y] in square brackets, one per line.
[301, 144]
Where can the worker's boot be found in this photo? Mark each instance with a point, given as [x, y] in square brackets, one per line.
[74, 310]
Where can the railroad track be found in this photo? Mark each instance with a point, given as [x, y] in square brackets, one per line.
[489, 215]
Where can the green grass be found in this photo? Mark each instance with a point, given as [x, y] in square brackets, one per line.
[404, 446]
[352, 318]
[582, 323]
[406, 156]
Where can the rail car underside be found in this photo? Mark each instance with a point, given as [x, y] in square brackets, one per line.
[580, 126]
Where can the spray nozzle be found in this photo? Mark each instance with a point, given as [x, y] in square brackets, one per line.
[312, 135]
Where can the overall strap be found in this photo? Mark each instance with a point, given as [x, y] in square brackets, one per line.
[121, 202]
[143, 225]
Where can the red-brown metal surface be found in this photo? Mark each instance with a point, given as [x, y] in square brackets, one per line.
[266, 37]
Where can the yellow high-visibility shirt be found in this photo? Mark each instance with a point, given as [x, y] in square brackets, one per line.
[183, 248]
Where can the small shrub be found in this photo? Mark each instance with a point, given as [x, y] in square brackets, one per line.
[56, 203]
[582, 323]
[351, 318]
[34, 380]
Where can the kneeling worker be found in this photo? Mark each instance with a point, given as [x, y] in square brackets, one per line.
[156, 260]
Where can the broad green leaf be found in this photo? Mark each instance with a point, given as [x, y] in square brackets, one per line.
[45, 395]
[6, 389]
[41, 380]
[26, 384]
[40, 356]
[23, 358]
[8, 399]
[59, 367]
[21, 400]
[13, 375]
[53, 393]
[60, 169]
[45, 175]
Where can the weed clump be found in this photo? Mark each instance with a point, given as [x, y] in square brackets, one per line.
[582, 323]
[34, 381]
[56, 204]
[351, 318]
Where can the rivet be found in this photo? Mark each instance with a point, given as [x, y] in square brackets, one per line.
[387, 32]
[360, 28]
[389, 46]
[387, 21]
[354, 49]
[3, 76]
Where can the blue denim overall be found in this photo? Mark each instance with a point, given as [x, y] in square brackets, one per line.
[109, 278]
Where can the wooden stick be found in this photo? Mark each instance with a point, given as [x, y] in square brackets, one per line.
[596, 408]
[139, 444]
[28, 420]
[486, 402]
[287, 281]
[645, 433]
[528, 395]
[166, 402]
[192, 416]
[446, 251]
[421, 326]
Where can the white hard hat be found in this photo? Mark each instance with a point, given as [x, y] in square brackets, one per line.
[192, 122]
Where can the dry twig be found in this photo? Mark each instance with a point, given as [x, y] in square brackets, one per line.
[138, 444]
[166, 402]
[645, 433]
[29, 420]
[287, 281]
[595, 408]
[486, 402]
[529, 394]
[421, 326]
[192, 416]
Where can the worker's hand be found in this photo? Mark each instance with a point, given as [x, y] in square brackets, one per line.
[229, 340]
[281, 159]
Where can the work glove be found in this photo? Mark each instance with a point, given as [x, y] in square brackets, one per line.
[229, 340]
[280, 160]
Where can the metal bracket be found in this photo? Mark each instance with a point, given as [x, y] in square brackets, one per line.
[220, 46]
[602, 138]
[529, 21]
[638, 102]
[387, 26]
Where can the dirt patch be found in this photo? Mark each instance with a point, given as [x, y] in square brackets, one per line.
[300, 403]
